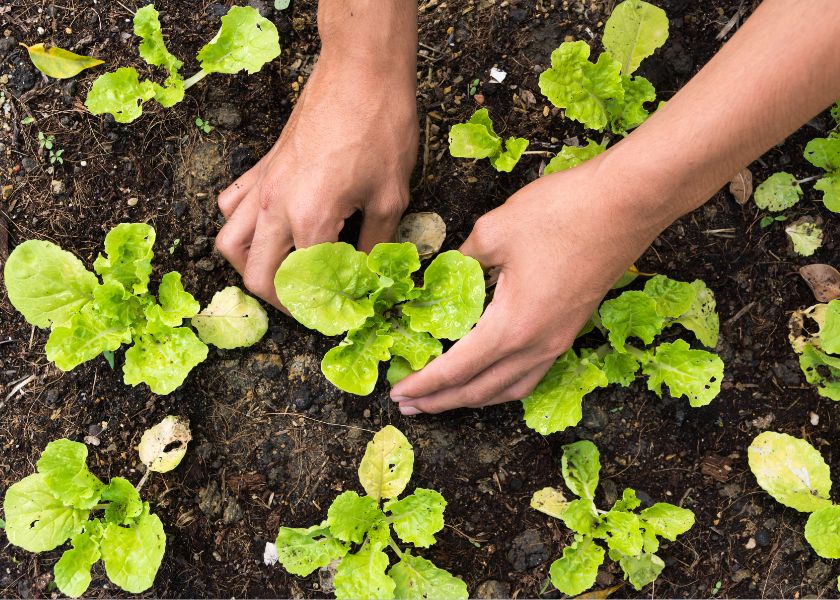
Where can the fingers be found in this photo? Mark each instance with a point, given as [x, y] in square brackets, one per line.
[379, 224]
[271, 244]
[512, 378]
[484, 242]
[234, 239]
[231, 197]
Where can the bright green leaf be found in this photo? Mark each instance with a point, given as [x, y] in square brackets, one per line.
[471, 140]
[506, 160]
[128, 256]
[63, 464]
[245, 41]
[153, 50]
[632, 314]
[233, 319]
[417, 347]
[416, 578]
[695, 374]
[163, 359]
[628, 501]
[72, 571]
[353, 365]
[417, 517]
[398, 370]
[630, 112]
[777, 192]
[823, 531]
[673, 298]
[821, 370]
[667, 520]
[362, 576]
[581, 466]
[387, 464]
[132, 555]
[580, 516]
[576, 570]
[572, 156]
[624, 532]
[121, 94]
[303, 551]
[350, 516]
[85, 337]
[59, 63]
[830, 187]
[824, 153]
[702, 318]
[395, 261]
[641, 570]
[175, 303]
[634, 30]
[620, 368]
[124, 503]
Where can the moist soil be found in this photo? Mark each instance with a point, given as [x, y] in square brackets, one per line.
[273, 441]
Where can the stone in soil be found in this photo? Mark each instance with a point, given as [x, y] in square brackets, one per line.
[527, 550]
[224, 115]
[492, 589]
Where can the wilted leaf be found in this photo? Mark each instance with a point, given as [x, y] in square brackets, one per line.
[163, 446]
[426, 230]
[599, 594]
[741, 186]
[59, 63]
[824, 281]
[805, 235]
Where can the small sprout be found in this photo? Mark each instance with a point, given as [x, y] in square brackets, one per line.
[27, 120]
[474, 86]
[282, 4]
[768, 220]
[45, 142]
[477, 139]
[716, 588]
[203, 125]
[174, 245]
[164, 445]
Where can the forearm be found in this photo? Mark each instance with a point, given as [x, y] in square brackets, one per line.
[778, 71]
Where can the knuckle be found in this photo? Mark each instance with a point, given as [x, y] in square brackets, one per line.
[267, 195]
[255, 284]
[226, 241]
[484, 232]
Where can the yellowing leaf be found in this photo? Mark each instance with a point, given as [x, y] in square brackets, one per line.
[59, 63]
[155, 441]
[387, 465]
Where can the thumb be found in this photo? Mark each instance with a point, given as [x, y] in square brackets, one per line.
[484, 243]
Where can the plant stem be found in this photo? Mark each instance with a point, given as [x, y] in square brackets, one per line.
[394, 546]
[807, 179]
[102, 506]
[142, 480]
[635, 352]
[539, 152]
[195, 79]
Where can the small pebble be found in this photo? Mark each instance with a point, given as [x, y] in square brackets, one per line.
[815, 418]
[133, 201]
[751, 543]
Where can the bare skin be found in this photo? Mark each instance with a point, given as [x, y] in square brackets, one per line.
[562, 240]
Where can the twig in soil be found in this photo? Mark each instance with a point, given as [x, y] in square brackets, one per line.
[19, 386]
[727, 232]
[732, 22]
[291, 414]
[740, 313]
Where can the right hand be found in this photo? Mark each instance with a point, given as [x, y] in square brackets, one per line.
[350, 144]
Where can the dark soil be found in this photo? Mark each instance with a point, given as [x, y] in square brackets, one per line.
[274, 442]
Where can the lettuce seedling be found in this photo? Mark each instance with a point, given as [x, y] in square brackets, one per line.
[606, 94]
[572, 156]
[52, 289]
[58, 503]
[795, 474]
[333, 288]
[477, 139]
[557, 401]
[630, 537]
[357, 532]
[245, 41]
[824, 153]
[819, 351]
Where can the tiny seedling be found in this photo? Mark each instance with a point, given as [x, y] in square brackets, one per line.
[27, 120]
[357, 532]
[245, 41]
[630, 537]
[794, 473]
[282, 4]
[333, 288]
[606, 94]
[819, 351]
[557, 401]
[203, 125]
[768, 220]
[52, 289]
[474, 86]
[477, 139]
[45, 142]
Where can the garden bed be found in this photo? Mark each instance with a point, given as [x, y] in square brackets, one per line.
[274, 442]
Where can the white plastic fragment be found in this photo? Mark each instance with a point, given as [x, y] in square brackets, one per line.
[270, 554]
[497, 75]
[153, 445]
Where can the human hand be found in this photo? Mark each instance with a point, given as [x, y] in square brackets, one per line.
[561, 242]
[350, 144]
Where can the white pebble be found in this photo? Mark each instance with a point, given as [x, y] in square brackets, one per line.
[815, 418]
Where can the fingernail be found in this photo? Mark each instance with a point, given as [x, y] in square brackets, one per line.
[407, 411]
[400, 398]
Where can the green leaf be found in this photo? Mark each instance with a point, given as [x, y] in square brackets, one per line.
[451, 299]
[630, 112]
[395, 261]
[417, 347]
[695, 374]
[282, 4]
[245, 41]
[505, 161]
[72, 571]
[830, 187]
[581, 465]
[326, 287]
[124, 501]
[362, 576]
[132, 554]
[620, 368]
[163, 359]
[633, 32]
[398, 370]
[63, 464]
[417, 517]
[303, 551]
[153, 50]
[821, 370]
[624, 532]
[576, 570]
[580, 87]
[701, 318]
[673, 298]
[85, 337]
[175, 303]
[778, 192]
[823, 531]
[353, 365]
[556, 402]
[580, 516]
[632, 314]
[59, 63]
[128, 259]
[806, 237]
[550, 501]
[791, 470]
[667, 520]
[46, 284]
[121, 94]
[36, 520]
[572, 156]
[387, 464]
[416, 578]
[350, 516]
[641, 570]
[628, 501]
[472, 140]
[233, 319]
[824, 153]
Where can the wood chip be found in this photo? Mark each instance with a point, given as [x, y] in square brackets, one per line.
[824, 281]
[741, 186]
[717, 467]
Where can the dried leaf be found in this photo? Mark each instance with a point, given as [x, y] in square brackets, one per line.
[426, 230]
[741, 186]
[59, 63]
[599, 594]
[163, 446]
[824, 281]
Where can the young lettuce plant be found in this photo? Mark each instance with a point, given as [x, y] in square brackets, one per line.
[795, 474]
[557, 401]
[357, 532]
[245, 41]
[477, 139]
[58, 503]
[52, 289]
[333, 288]
[606, 94]
[630, 537]
[819, 352]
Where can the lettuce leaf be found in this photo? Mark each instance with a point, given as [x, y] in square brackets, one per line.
[128, 256]
[581, 466]
[233, 319]
[417, 517]
[778, 192]
[302, 551]
[353, 365]
[121, 94]
[572, 156]
[132, 554]
[576, 570]
[163, 359]
[245, 40]
[350, 516]
[387, 464]
[416, 578]
[634, 30]
[477, 139]
[695, 374]
[63, 464]
[642, 569]
[362, 575]
[153, 50]
[823, 531]
[417, 347]
[72, 571]
[632, 314]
